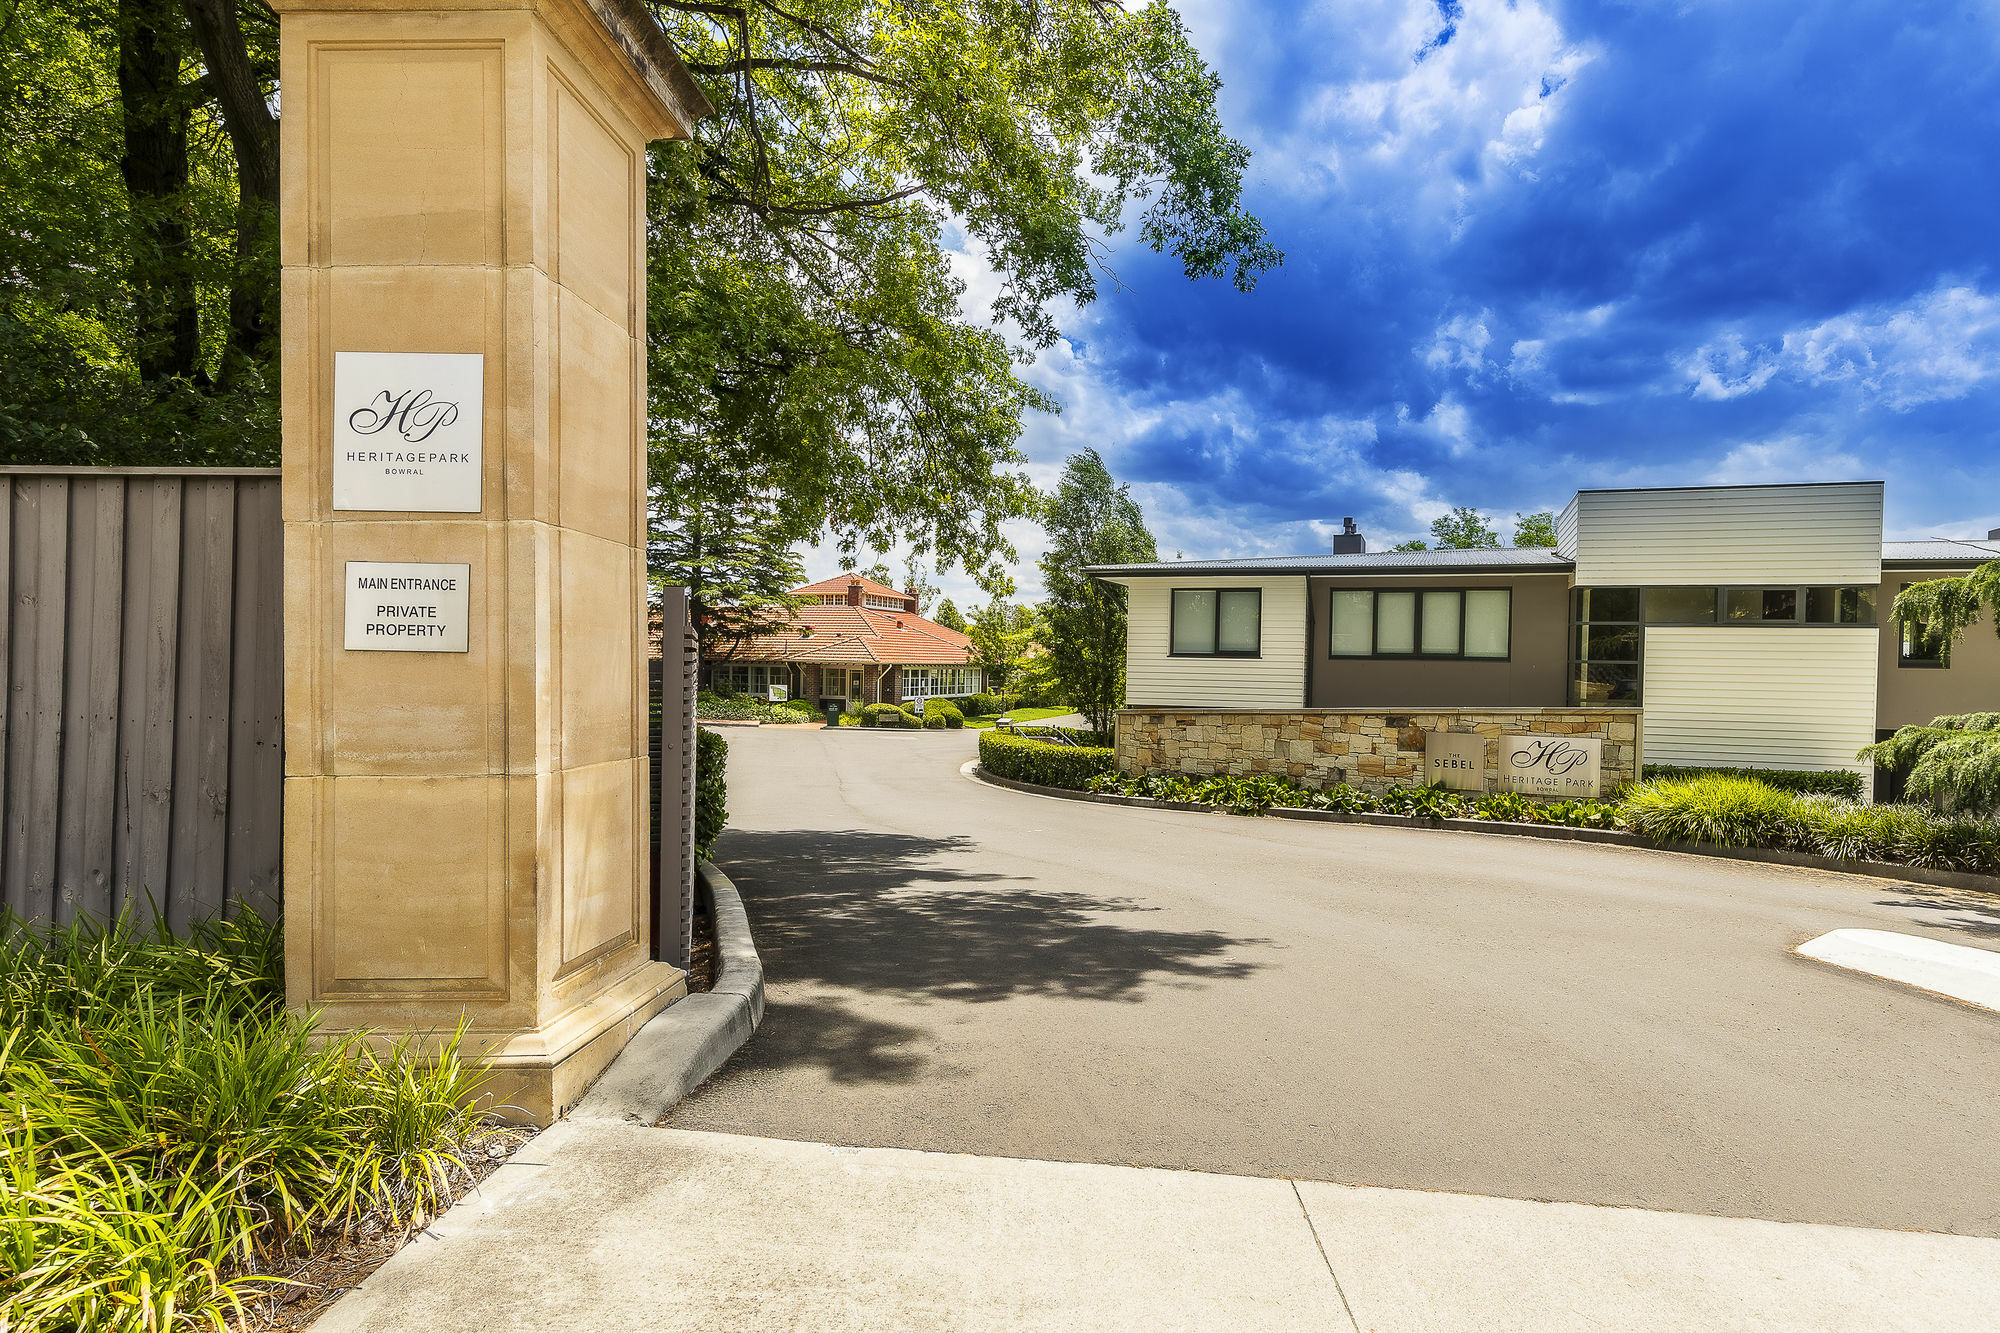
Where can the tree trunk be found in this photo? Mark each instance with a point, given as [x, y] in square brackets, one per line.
[167, 332]
[253, 134]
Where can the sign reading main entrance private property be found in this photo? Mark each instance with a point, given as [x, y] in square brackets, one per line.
[1565, 766]
[404, 608]
[406, 431]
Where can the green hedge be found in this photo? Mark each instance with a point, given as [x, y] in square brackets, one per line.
[711, 789]
[1840, 782]
[888, 715]
[942, 713]
[1051, 765]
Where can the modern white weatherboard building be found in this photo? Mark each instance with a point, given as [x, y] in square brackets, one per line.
[1747, 623]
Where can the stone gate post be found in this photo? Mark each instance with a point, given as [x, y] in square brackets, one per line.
[463, 249]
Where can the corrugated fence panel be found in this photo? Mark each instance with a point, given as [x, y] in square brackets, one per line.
[141, 673]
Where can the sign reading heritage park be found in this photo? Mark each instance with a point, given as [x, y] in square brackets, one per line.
[1565, 766]
[406, 431]
[404, 608]
[1455, 759]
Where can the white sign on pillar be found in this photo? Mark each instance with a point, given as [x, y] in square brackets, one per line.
[1563, 766]
[406, 431]
[407, 608]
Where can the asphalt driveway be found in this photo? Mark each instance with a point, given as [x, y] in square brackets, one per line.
[961, 968]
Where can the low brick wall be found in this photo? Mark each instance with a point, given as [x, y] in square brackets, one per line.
[1372, 751]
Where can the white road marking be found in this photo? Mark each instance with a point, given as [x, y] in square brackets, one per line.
[1957, 970]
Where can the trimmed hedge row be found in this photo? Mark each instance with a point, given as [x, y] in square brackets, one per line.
[1043, 762]
[1840, 782]
[1718, 810]
[888, 715]
[942, 713]
[711, 789]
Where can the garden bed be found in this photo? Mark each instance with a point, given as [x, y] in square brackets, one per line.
[1934, 876]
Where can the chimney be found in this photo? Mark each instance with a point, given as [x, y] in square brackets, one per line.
[1349, 541]
[910, 600]
[854, 592]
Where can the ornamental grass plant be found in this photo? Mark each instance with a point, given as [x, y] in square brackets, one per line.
[170, 1135]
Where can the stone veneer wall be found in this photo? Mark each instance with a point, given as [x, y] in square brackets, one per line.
[1373, 751]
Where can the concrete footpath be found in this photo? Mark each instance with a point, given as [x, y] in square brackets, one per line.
[615, 1227]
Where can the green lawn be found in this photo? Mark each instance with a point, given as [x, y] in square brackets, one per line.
[1019, 715]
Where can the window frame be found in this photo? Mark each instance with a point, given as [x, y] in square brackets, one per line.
[1173, 621]
[1417, 654]
[1933, 663]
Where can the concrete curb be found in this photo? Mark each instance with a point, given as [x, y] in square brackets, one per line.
[689, 1039]
[1943, 879]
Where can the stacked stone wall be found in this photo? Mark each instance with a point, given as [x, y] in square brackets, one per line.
[1373, 751]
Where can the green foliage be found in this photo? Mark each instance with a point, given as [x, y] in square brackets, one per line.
[1090, 520]
[1837, 782]
[1003, 636]
[1934, 615]
[1423, 802]
[743, 708]
[985, 705]
[168, 1122]
[1953, 764]
[1536, 529]
[949, 616]
[1463, 529]
[1251, 795]
[1026, 760]
[807, 338]
[711, 790]
[732, 551]
[943, 713]
[888, 715]
[1720, 810]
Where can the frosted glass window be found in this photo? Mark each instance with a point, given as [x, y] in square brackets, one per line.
[1441, 622]
[1353, 623]
[1395, 622]
[1194, 621]
[1239, 626]
[1486, 615]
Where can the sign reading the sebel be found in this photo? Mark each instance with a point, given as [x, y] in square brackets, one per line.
[406, 431]
[401, 608]
[1566, 766]
[1455, 759]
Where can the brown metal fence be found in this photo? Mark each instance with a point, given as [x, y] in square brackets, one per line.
[673, 691]
[142, 671]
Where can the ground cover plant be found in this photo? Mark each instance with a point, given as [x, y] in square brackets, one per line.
[172, 1138]
[744, 708]
[1715, 809]
[1838, 782]
[711, 789]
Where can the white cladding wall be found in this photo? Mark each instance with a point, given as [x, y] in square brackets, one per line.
[1769, 698]
[1274, 679]
[1822, 533]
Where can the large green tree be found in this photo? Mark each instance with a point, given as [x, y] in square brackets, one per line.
[734, 554]
[1090, 520]
[1952, 762]
[807, 330]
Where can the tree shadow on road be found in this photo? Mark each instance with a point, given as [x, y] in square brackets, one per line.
[892, 912]
[1973, 912]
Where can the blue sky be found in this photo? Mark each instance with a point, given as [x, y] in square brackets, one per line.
[1543, 245]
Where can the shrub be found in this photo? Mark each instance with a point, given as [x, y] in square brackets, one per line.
[1953, 764]
[1510, 806]
[1725, 811]
[945, 713]
[171, 1129]
[985, 705]
[711, 789]
[888, 715]
[1837, 782]
[806, 706]
[1423, 802]
[1050, 765]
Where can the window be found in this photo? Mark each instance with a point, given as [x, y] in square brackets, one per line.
[1740, 605]
[1421, 622]
[747, 677]
[884, 603]
[1912, 651]
[1606, 646]
[1216, 622]
[1840, 606]
[941, 682]
[1680, 606]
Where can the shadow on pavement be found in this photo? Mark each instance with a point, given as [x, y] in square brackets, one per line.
[892, 912]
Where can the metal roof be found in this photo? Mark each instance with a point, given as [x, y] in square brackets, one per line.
[1502, 560]
[1939, 551]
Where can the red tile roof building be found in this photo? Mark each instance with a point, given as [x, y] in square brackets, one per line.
[858, 641]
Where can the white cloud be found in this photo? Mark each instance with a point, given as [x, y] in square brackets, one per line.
[1789, 458]
[1939, 346]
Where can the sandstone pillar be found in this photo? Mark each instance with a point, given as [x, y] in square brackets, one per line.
[463, 250]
